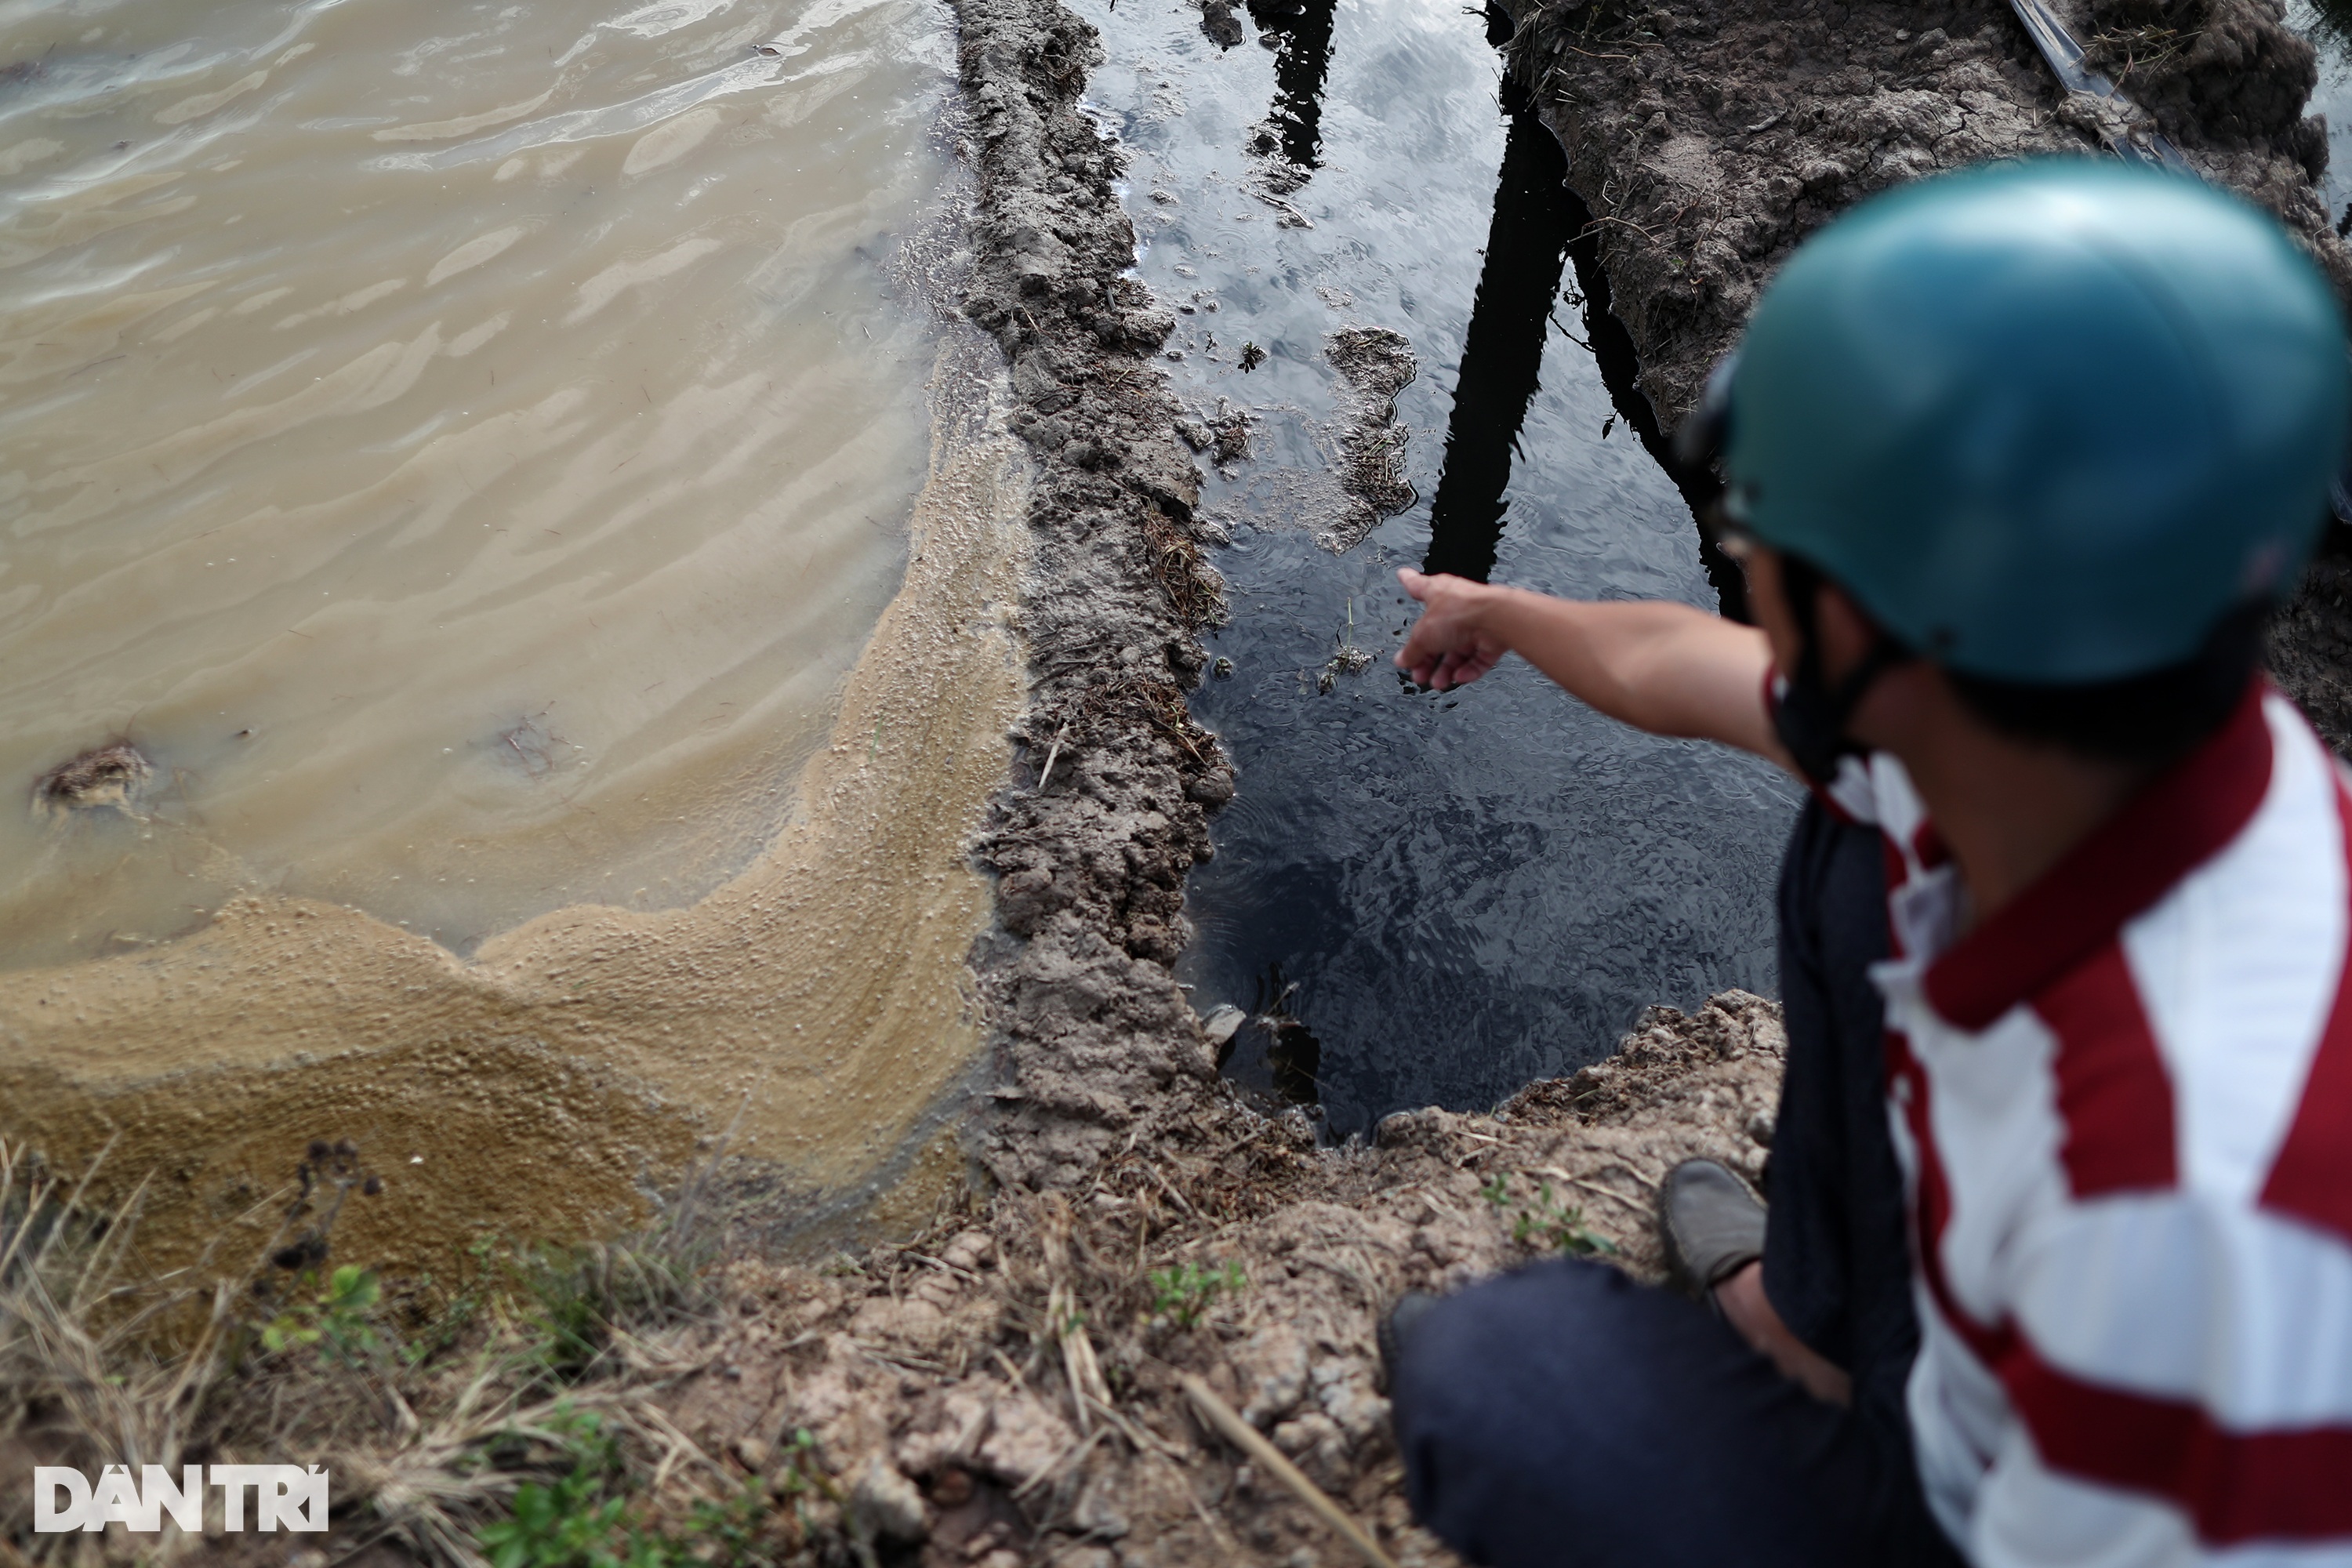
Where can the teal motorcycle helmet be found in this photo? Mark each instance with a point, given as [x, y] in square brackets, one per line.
[2047, 422]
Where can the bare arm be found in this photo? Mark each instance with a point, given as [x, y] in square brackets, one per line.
[1667, 669]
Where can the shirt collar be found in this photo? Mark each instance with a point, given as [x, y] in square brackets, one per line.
[2128, 863]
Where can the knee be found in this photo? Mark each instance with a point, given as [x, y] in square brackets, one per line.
[1501, 1344]
[1488, 1396]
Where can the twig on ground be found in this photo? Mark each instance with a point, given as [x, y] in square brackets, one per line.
[1247, 1438]
[1051, 753]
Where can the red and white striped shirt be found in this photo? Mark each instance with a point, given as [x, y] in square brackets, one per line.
[2122, 1106]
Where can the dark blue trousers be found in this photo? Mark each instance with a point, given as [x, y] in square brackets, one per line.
[1563, 1415]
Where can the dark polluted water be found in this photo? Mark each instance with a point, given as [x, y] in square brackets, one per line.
[1419, 898]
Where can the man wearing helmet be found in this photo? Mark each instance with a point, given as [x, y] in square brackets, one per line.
[2058, 1265]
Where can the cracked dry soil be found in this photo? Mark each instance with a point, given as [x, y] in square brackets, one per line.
[1709, 137]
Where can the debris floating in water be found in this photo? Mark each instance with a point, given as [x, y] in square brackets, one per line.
[1376, 364]
[111, 775]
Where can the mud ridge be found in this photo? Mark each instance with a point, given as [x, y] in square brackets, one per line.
[1108, 805]
[1709, 137]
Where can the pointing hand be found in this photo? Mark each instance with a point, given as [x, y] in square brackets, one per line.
[1450, 646]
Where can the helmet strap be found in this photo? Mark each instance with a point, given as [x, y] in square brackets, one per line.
[1810, 716]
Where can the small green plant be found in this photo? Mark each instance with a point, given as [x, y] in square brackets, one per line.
[444, 1326]
[800, 1475]
[800, 1472]
[1557, 1225]
[335, 1316]
[573, 1296]
[569, 1524]
[1184, 1294]
[582, 1519]
[717, 1533]
[566, 1317]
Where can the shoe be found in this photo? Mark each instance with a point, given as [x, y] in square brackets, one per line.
[1395, 1324]
[1711, 1225]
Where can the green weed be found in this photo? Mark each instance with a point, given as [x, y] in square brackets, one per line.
[571, 1298]
[584, 1519]
[1559, 1227]
[335, 1316]
[1185, 1294]
[800, 1473]
[444, 1325]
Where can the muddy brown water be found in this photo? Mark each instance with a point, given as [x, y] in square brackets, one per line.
[459, 445]
[1431, 898]
[502, 469]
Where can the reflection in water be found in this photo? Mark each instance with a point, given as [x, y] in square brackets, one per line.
[1502, 353]
[1620, 369]
[1299, 31]
[1538, 225]
[1466, 889]
[461, 447]
[2334, 19]
[2328, 25]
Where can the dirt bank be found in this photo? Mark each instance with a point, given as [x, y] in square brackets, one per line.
[1106, 808]
[1709, 137]
[1015, 1373]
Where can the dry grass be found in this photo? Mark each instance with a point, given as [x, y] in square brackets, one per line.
[1113, 704]
[430, 1419]
[2126, 50]
[1194, 589]
[82, 1378]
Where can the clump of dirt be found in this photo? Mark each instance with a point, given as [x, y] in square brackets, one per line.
[1374, 363]
[1708, 137]
[2222, 70]
[107, 777]
[1108, 805]
[1347, 660]
[2311, 644]
[1220, 25]
[1223, 437]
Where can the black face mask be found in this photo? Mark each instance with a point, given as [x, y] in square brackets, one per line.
[1810, 716]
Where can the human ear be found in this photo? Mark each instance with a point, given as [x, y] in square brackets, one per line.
[1846, 630]
[1767, 602]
